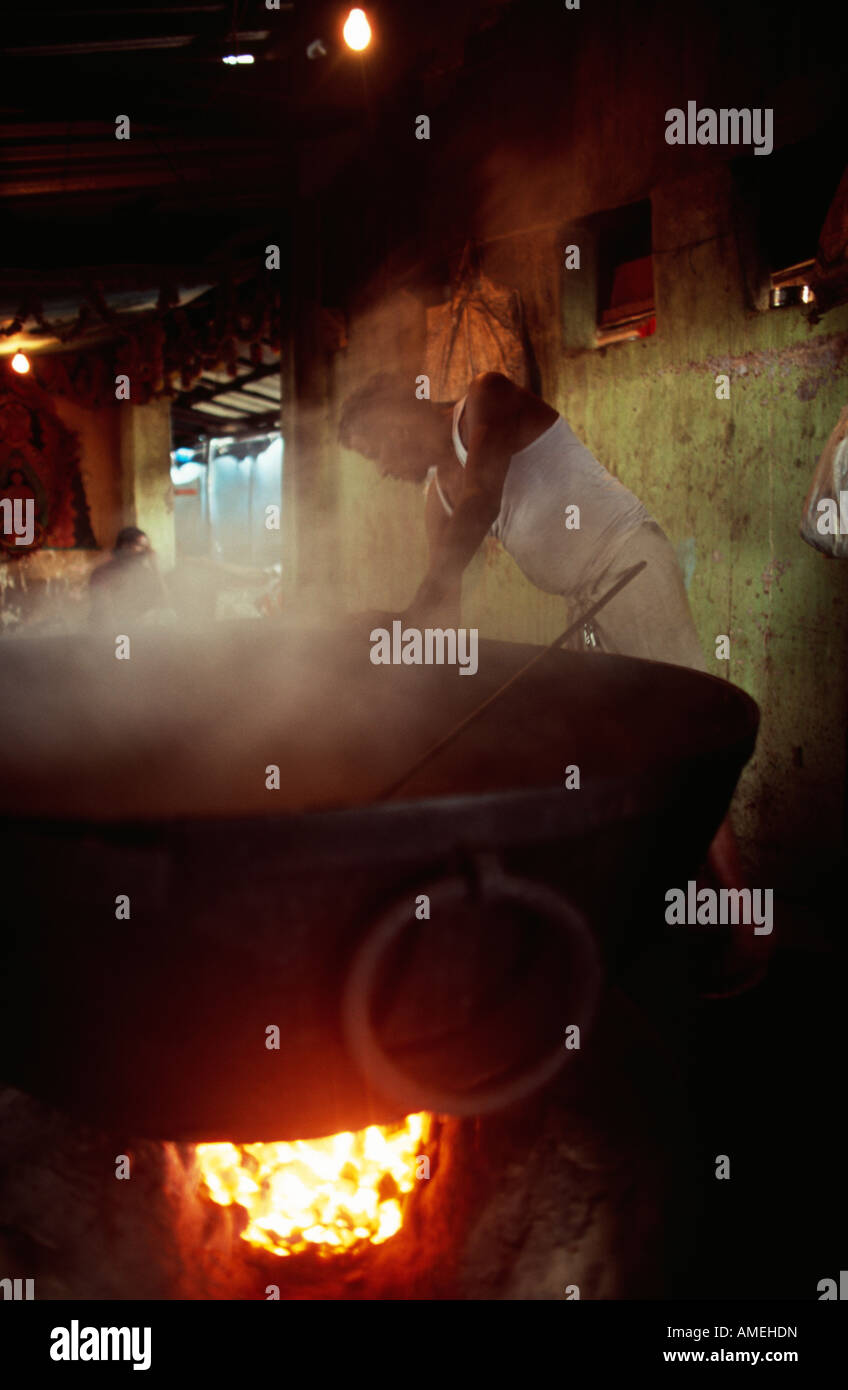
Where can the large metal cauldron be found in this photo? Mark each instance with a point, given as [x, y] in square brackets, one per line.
[252, 909]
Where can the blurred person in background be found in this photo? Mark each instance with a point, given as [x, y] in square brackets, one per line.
[128, 588]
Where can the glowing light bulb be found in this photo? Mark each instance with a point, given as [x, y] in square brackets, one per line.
[20, 363]
[357, 30]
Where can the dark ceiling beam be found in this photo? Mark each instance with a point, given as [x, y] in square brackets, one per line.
[144, 174]
[60, 130]
[78, 47]
[102, 11]
[128, 277]
[106, 147]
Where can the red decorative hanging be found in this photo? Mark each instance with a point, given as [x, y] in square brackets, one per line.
[39, 468]
[165, 352]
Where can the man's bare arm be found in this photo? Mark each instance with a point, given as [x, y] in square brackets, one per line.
[460, 541]
[454, 545]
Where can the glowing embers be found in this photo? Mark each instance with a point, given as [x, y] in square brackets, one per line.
[329, 1195]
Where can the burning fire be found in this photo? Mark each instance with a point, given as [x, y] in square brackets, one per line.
[327, 1194]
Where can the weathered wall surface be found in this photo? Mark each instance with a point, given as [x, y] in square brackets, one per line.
[99, 445]
[727, 481]
[147, 494]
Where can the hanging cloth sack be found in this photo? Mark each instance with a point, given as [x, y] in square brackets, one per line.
[825, 527]
[480, 329]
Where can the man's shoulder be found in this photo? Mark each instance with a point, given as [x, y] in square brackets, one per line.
[102, 573]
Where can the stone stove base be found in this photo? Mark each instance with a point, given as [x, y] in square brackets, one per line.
[569, 1190]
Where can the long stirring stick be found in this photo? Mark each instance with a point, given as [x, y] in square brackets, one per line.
[490, 700]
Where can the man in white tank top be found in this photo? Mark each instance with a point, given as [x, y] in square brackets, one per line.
[502, 462]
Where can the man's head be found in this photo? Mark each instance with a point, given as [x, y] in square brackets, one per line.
[385, 422]
[132, 541]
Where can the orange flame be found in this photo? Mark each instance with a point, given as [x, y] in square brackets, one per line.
[328, 1194]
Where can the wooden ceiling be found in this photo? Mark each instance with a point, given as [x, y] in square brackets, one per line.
[217, 153]
[219, 404]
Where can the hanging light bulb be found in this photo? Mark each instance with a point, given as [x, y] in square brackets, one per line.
[357, 30]
[20, 363]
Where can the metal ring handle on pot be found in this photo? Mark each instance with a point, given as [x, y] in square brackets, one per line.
[492, 887]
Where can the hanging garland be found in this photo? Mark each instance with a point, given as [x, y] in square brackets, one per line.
[166, 352]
